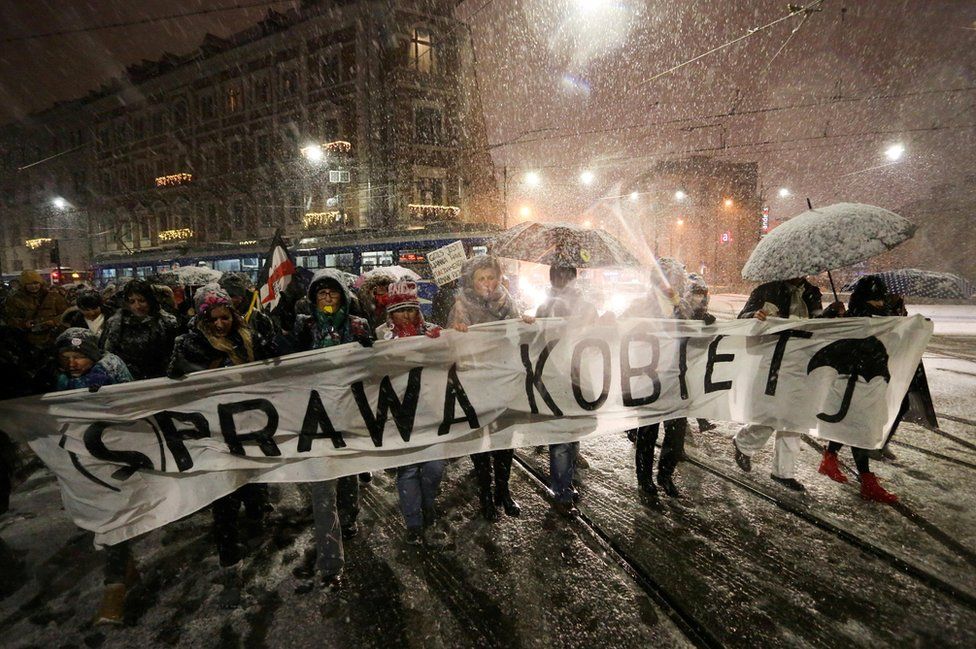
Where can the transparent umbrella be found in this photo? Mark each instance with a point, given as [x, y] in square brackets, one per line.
[562, 244]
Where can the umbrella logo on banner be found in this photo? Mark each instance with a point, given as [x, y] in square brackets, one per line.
[584, 254]
[852, 357]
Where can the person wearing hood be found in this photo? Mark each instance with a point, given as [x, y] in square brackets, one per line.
[90, 312]
[565, 300]
[869, 299]
[141, 334]
[794, 298]
[219, 337]
[697, 309]
[84, 365]
[417, 484]
[36, 309]
[335, 503]
[483, 298]
[371, 293]
[664, 300]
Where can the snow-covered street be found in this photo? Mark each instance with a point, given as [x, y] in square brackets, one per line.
[736, 561]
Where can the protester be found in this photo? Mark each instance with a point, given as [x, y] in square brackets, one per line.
[793, 298]
[869, 299]
[371, 293]
[697, 299]
[483, 298]
[417, 484]
[141, 334]
[84, 365]
[564, 301]
[335, 503]
[662, 301]
[36, 309]
[443, 302]
[246, 303]
[89, 312]
[218, 337]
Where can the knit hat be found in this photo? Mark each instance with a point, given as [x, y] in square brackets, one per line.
[81, 340]
[236, 284]
[209, 296]
[30, 276]
[401, 295]
[696, 283]
[89, 299]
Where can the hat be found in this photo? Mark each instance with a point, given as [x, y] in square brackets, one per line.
[236, 285]
[210, 296]
[696, 283]
[89, 299]
[869, 287]
[81, 340]
[401, 295]
[30, 276]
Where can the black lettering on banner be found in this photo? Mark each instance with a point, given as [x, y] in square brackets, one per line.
[199, 429]
[455, 394]
[683, 366]
[650, 371]
[533, 378]
[133, 460]
[403, 411]
[713, 359]
[581, 347]
[773, 379]
[316, 419]
[264, 437]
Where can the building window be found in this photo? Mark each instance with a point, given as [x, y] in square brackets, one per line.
[289, 83]
[262, 91]
[235, 99]
[422, 51]
[180, 114]
[429, 191]
[264, 149]
[428, 125]
[208, 109]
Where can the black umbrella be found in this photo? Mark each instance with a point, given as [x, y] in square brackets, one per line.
[853, 357]
[912, 282]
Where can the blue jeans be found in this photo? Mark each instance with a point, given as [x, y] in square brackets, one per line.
[562, 465]
[417, 487]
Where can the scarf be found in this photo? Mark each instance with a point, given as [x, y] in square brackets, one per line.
[237, 345]
[329, 329]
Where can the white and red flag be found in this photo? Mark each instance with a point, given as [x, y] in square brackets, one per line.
[276, 274]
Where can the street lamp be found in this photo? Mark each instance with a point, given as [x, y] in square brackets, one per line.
[532, 178]
[587, 177]
[525, 212]
[729, 203]
[895, 152]
[313, 153]
[680, 195]
[784, 192]
[59, 203]
[587, 224]
[634, 196]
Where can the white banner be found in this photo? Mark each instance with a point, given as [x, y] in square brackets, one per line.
[135, 456]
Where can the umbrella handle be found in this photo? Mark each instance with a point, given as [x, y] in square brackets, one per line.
[832, 288]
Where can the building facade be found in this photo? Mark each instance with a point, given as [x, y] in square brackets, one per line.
[334, 116]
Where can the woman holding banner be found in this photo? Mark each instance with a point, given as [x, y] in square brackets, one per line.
[483, 298]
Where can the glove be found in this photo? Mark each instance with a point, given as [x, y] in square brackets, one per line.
[365, 341]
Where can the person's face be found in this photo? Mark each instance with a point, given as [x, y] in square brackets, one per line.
[75, 364]
[222, 320]
[91, 314]
[405, 317]
[329, 296]
[562, 277]
[236, 300]
[485, 281]
[137, 304]
[32, 287]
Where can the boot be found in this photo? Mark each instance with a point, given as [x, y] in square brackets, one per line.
[743, 460]
[111, 609]
[566, 510]
[872, 490]
[581, 462]
[504, 497]
[666, 482]
[488, 511]
[829, 467]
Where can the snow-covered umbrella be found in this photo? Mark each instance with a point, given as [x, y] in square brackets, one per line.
[562, 244]
[398, 273]
[193, 275]
[821, 239]
[912, 282]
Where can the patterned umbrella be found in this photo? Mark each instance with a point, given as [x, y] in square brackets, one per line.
[562, 244]
[912, 282]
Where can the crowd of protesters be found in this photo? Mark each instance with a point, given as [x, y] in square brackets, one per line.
[52, 340]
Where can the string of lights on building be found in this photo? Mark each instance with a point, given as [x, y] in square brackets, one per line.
[174, 180]
[179, 234]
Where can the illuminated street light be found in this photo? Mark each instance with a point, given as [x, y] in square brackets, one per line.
[313, 153]
[784, 192]
[587, 224]
[680, 221]
[525, 212]
[634, 196]
[587, 177]
[680, 195]
[895, 152]
[533, 179]
[729, 203]
[590, 6]
[59, 203]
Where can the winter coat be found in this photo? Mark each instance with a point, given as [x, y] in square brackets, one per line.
[367, 304]
[653, 305]
[193, 351]
[145, 344]
[470, 308]
[320, 330]
[779, 294]
[43, 308]
[109, 370]
[443, 302]
[566, 302]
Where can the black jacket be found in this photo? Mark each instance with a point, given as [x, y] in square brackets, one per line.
[194, 353]
[778, 293]
[144, 344]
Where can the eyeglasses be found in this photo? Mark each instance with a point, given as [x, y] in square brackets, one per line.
[330, 292]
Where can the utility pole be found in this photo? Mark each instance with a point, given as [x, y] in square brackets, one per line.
[505, 196]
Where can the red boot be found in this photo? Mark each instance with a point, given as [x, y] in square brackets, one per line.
[871, 490]
[829, 467]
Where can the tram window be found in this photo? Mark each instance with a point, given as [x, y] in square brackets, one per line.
[310, 261]
[249, 263]
[479, 250]
[377, 258]
[144, 271]
[127, 272]
[226, 265]
[108, 273]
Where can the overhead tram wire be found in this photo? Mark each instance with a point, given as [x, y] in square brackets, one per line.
[145, 21]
